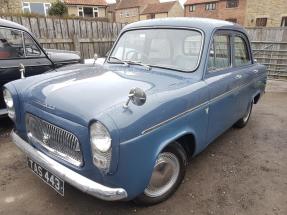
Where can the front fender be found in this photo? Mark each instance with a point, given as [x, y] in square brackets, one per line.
[138, 155]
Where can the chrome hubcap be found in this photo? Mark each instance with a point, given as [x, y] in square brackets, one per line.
[164, 176]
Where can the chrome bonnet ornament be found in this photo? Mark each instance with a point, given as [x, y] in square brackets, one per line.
[137, 96]
[22, 70]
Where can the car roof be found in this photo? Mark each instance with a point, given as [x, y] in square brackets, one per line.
[10, 24]
[204, 24]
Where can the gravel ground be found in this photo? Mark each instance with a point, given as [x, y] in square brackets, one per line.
[242, 172]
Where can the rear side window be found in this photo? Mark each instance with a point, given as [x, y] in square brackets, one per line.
[11, 44]
[219, 55]
[241, 53]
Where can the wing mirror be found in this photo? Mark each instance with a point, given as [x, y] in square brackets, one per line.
[137, 96]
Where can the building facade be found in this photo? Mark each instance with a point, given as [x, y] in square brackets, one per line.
[250, 13]
[10, 6]
[162, 10]
[231, 10]
[87, 8]
[269, 13]
[128, 11]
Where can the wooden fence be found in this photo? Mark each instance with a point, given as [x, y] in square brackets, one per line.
[89, 37]
[270, 48]
[85, 36]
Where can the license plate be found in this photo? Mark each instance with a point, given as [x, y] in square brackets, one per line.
[49, 178]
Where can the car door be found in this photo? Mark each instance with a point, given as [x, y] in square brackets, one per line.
[221, 82]
[245, 71]
[16, 48]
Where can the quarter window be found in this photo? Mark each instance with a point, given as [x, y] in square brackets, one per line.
[31, 48]
[11, 44]
[219, 55]
[241, 54]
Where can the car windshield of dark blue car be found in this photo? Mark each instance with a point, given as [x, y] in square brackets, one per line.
[178, 49]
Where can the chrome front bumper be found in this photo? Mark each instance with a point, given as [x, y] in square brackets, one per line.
[80, 182]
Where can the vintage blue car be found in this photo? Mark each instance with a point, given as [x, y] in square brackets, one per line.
[125, 130]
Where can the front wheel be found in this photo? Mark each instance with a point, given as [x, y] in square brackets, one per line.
[244, 120]
[167, 175]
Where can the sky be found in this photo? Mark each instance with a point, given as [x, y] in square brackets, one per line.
[181, 1]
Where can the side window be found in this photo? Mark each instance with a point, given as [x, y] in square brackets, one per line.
[219, 55]
[11, 44]
[241, 52]
[31, 48]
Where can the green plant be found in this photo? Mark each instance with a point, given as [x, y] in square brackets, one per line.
[58, 8]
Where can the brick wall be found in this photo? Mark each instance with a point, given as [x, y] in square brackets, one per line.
[221, 11]
[273, 10]
[10, 6]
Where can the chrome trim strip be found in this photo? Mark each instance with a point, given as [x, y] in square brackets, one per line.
[196, 107]
[82, 183]
[3, 111]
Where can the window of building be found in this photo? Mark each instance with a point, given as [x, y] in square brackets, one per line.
[96, 12]
[36, 7]
[219, 55]
[127, 14]
[88, 12]
[121, 13]
[81, 12]
[210, 6]
[26, 7]
[232, 20]
[284, 21]
[232, 3]
[241, 52]
[261, 22]
[46, 8]
[192, 8]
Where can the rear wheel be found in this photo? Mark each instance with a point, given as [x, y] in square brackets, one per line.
[244, 120]
[167, 175]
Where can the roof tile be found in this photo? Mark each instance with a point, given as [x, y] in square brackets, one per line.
[158, 8]
[86, 2]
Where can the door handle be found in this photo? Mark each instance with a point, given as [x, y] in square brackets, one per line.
[238, 76]
[255, 71]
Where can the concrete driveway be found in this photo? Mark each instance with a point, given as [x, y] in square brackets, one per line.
[242, 172]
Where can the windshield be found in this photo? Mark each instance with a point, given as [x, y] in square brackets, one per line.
[168, 48]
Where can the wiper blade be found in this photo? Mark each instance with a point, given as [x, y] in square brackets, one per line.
[119, 60]
[148, 67]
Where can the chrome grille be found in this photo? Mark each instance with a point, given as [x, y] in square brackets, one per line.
[57, 141]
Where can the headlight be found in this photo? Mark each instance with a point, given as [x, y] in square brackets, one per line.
[9, 103]
[101, 143]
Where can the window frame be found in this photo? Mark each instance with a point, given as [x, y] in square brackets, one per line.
[192, 8]
[43, 53]
[210, 6]
[231, 6]
[245, 40]
[200, 56]
[96, 10]
[284, 21]
[46, 9]
[28, 6]
[261, 18]
[221, 32]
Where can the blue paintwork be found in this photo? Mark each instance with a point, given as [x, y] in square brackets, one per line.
[75, 96]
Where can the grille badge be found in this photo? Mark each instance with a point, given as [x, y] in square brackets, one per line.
[46, 138]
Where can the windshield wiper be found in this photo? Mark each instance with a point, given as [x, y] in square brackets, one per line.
[119, 60]
[138, 63]
[129, 62]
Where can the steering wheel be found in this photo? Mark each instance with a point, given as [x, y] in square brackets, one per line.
[135, 55]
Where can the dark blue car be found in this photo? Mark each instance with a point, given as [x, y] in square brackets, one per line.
[125, 130]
